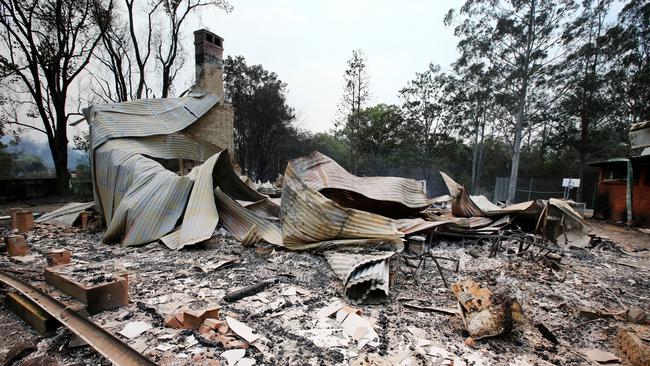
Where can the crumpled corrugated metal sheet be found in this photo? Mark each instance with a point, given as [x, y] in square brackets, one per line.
[365, 276]
[66, 215]
[574, 227]
[484, 204]
[245, 225]
[464, 205]
[146, 117]
[140, 199]
[202, 214]
[309, 217]
[411, 226]
[264, 207]
[388, 196]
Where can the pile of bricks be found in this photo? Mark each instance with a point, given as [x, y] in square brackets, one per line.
[22, 220]
[16, 245]
[207, 323]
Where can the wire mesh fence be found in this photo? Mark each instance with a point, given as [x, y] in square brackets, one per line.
[531, 188]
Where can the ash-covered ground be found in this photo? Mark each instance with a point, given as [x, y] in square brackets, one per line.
[284, 315]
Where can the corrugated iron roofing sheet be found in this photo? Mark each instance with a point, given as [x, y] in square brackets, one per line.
[66, 215]
[140, 199]
[309, 217]
[202, 213]
[245, 225]
[388, 196]
[365, 276]
[146, 117]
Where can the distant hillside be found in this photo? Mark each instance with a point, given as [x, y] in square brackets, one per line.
[41, 150]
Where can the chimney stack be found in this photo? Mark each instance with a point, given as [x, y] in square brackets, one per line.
[216, 126]
[208, 55]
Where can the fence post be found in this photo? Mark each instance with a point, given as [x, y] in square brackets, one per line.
[530, 188]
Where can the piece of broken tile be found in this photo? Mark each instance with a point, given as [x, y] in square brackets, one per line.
[599, 356]
[246, 362]
[303, 291]
[212, 323]
[242, 330]
[329, 310]
[139, 345]
[190, 341]
[341, 315]
[175, 321]
[233, 356]
[134, 329]
[356, 326]
[165, 347]
[166, 336]
[204, 329]
[290, 291]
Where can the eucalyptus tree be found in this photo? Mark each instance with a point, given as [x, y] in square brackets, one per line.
[262, 116]
[521, 40]
[46, 46]
[471, 105]
[356, 94]
[628, 50]
[586, 106]
[423, 106]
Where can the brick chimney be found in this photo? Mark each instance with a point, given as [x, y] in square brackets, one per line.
[208, 56]
[217, 125]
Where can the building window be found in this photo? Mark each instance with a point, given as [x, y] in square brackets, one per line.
[615, 172]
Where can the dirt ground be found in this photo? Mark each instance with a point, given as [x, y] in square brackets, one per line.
[631, 240]
[611, 275]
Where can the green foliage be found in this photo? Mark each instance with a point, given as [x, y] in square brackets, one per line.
[335, 148]
[628, 49]
[30, 166]
[83, 171]
[6, 161]
[263, 118]
[356, 90]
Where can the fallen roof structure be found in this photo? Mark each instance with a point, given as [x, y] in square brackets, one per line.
[322, 205]
[140, 199]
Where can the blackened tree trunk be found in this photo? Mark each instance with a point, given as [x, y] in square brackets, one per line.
[46, 45]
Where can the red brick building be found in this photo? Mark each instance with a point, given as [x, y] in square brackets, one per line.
[611, 196]
[626, 179]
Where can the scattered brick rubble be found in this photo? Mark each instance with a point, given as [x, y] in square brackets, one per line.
[595, 306]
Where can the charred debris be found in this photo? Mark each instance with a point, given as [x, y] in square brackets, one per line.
[244, 272]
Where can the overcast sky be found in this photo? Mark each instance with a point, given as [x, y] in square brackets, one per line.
[307, 43]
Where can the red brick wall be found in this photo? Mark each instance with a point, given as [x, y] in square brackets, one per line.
[611, 199]
[641, 196]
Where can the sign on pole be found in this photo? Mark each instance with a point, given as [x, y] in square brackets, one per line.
[571, 182]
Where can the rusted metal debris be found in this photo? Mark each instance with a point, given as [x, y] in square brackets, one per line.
[33, 315]
[103, 342]
[248, 290]
[422, 263]
[486, 314]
